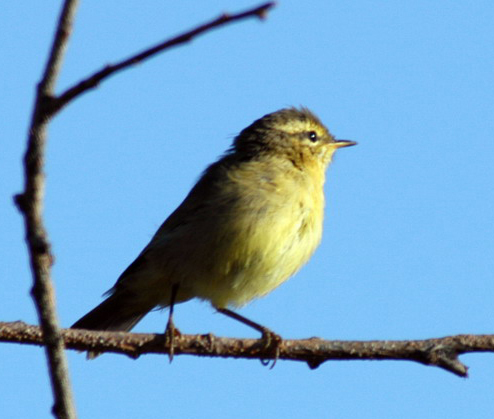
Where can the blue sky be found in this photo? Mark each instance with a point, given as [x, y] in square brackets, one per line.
[408, 244]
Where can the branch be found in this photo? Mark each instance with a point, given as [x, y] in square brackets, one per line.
[30, 203]
[439, 352]
[95, 79]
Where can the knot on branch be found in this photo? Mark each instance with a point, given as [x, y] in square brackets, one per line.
[20, 202]
[41, 246]
[445, 356]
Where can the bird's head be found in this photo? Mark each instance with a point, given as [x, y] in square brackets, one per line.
[295, 134]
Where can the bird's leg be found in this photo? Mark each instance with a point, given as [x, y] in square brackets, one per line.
[170, 330]
[270, 339]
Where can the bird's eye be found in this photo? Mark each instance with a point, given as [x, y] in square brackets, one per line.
[312, 136]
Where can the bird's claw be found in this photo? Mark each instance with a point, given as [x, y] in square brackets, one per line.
[171, 333]
[271, 342]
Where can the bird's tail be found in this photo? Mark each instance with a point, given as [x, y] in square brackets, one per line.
[117, 313]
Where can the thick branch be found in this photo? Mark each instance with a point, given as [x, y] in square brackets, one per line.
[439, 352]
[30, 203]
[93, 80]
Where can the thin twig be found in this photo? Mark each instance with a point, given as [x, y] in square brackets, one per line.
[439, 352]
[96, 78]
[30, 203]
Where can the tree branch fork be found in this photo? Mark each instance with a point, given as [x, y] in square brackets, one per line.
[440, 352]
[30, 201]
[53, 104]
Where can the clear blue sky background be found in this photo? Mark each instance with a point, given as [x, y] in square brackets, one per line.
[409, 235]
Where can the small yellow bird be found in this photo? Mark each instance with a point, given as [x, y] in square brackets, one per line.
[252, 220]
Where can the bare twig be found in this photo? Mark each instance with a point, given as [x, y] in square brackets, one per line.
[95, 79]
[30, 203]
[439, 352]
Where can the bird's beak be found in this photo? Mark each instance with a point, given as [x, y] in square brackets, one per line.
[343, 143]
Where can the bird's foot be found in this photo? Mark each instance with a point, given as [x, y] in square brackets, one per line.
[171, 334]
[271, 343]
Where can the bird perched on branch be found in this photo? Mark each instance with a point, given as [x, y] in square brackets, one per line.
[252, 220]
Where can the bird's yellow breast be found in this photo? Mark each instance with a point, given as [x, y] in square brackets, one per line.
[269, 226]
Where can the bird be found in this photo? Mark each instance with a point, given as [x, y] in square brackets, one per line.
[252, 220]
